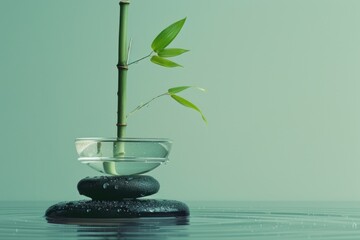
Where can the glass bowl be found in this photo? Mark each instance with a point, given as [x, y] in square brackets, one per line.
[124, 156]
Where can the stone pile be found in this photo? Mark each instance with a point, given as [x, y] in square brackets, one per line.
[118, 197]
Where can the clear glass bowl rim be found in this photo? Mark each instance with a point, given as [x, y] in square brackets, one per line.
[165, 141]
[125, 159]
[114, 139]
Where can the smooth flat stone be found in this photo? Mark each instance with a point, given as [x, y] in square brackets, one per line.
[117, 209]
[118, 187]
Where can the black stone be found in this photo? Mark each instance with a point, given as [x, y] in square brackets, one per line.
[116, 209]
[118, 187]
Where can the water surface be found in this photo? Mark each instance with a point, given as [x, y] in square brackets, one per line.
[208, 220]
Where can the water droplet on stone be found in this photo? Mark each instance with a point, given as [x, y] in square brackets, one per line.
[88, 210]
[116, 187]
[105, 185]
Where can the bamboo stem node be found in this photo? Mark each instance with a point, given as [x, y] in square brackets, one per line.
[122, 67]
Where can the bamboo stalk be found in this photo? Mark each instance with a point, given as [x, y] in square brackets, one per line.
[119, 147]
[122, 68]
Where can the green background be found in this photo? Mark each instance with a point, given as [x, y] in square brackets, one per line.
[283, 81]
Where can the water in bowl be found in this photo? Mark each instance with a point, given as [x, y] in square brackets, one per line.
[123, 156]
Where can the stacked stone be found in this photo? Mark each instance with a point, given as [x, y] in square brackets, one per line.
[118, 197]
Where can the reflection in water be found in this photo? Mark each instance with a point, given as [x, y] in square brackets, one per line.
[132, 228]
[208, 220]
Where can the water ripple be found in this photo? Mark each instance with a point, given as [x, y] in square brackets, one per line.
[209, 220]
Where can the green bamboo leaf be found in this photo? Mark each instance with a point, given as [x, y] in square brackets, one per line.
[164, 62]
[171, 52]
[182, 88]
[167, 35]
[177, 89]
[188, 104]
